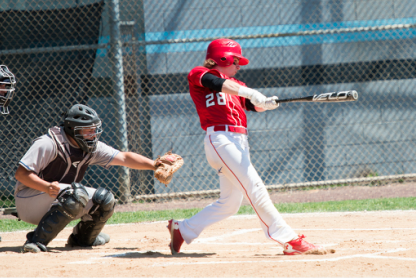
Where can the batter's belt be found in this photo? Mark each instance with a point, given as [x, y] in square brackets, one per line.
[229, 128]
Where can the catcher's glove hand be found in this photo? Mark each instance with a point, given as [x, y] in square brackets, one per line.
[166, 165]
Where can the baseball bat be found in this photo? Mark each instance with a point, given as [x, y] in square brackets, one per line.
[342, 96]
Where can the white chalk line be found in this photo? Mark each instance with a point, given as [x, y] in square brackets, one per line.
[355, 229]
[235, 243]
[271, 244]
[343, 213]
[373, 255]
[214, 240]
[390, 258]
[330, 214]
[239, 232]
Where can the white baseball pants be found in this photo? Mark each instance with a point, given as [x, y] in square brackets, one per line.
[228, 153]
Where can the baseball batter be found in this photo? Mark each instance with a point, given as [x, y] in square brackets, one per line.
[221, 101]
[7, 89]
[49, 193]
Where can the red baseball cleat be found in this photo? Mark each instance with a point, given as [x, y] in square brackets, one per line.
[176, 239]
[302, 247]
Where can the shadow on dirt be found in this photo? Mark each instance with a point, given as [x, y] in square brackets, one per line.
[155, 254]
[14, 249]
[130, 254]
[19, 249]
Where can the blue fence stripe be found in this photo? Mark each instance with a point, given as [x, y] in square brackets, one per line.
[276, 42]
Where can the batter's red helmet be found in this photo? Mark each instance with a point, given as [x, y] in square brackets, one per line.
[223, 51]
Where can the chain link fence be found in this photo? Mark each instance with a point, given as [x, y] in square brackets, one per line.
[129, 61]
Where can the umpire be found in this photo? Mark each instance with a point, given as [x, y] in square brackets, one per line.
[7, 89]
[48, 192]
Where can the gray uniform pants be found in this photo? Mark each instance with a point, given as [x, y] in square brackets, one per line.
[32, 204]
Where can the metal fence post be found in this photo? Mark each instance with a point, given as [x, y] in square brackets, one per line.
[118, 86]
[147, 183]
[314, 154]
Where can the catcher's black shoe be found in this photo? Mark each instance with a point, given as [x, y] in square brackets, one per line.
[33, 247]
[101, 239]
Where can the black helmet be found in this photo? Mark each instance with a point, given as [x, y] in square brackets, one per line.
[7, 78]
[83, 124]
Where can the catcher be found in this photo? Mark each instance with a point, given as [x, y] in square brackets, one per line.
[49, 192]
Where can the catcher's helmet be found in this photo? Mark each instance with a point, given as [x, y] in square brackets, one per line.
[223, 51]
[83, 124]
[7, 87]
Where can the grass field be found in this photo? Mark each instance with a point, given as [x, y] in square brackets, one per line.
[409, 203]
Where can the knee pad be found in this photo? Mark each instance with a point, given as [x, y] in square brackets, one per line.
[102, 209]
[104, 203]
[74, 199]
[71, 202]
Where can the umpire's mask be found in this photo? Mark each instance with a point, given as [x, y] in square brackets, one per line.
[7, 88]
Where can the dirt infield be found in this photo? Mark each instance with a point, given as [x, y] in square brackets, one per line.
[367, 244]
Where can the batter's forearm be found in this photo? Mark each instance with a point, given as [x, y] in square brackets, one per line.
[258, 99]
[259, 109]
[230, 87]
[233, 88]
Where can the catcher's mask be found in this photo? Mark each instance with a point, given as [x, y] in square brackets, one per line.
[83, 124]
[223, 51]
[7, 88]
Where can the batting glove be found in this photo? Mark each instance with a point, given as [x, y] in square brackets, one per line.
[255, 97]
[270, 103]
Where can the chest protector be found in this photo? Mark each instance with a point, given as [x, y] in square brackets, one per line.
[69, 165]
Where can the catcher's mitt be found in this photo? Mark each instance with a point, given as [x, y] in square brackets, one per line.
[166, 165]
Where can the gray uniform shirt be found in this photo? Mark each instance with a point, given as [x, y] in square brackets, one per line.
[44, 150]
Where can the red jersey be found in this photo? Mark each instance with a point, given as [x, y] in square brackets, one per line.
[216, 108]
